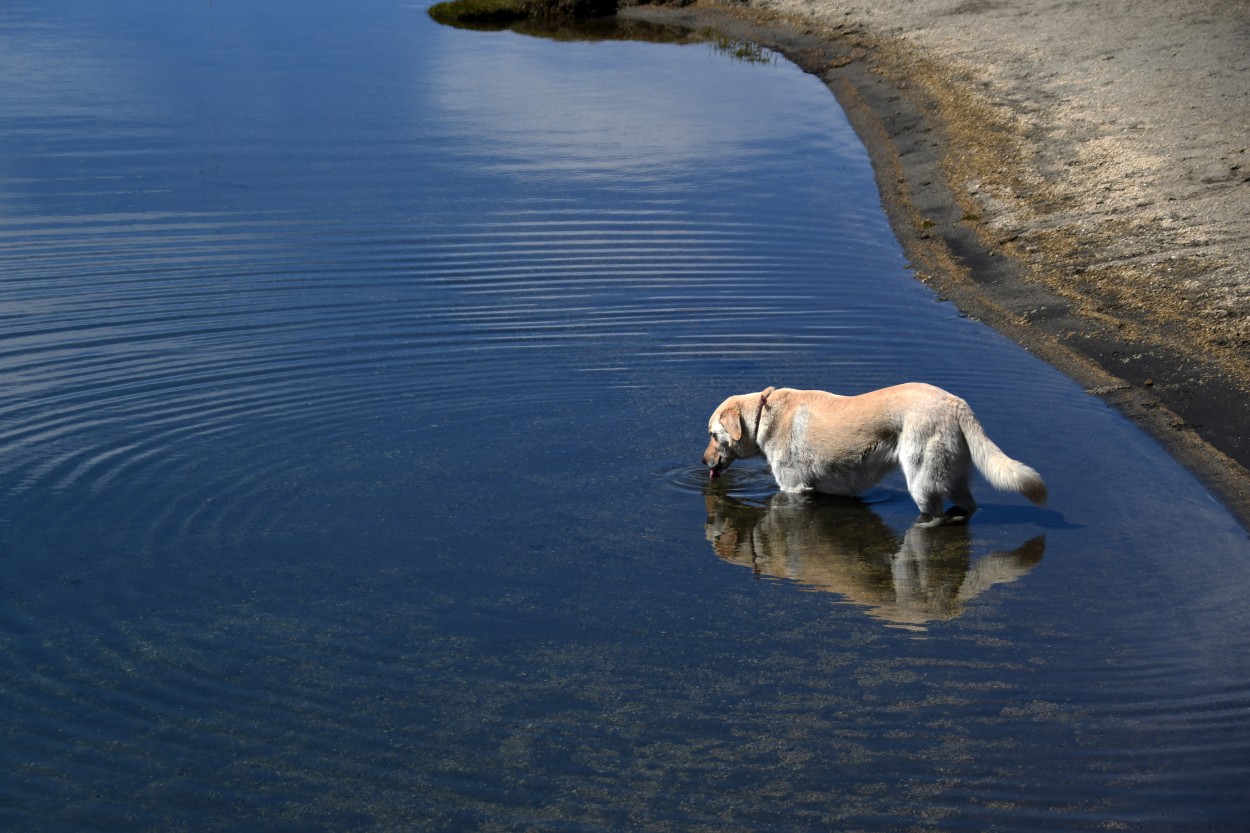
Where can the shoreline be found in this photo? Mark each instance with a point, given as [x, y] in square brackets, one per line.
[1088, 279]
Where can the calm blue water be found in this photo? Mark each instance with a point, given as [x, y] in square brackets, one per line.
[356, 372]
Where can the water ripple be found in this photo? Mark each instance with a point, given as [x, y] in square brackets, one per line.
[185, 326]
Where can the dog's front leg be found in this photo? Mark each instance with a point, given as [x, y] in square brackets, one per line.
[789, 480]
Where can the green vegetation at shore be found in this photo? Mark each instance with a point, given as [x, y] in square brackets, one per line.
[501, 13]
[739, 50]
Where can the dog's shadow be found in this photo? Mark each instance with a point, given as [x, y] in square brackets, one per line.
[841, 546]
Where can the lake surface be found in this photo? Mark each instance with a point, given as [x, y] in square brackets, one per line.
[356, 372]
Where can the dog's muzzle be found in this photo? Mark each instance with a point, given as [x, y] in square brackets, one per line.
[715, 467]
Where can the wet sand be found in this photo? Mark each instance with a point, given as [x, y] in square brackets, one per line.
[1077, 175]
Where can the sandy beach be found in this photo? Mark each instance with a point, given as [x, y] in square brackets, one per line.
[1075, 174]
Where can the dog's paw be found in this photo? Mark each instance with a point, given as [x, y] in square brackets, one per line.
[955, 516]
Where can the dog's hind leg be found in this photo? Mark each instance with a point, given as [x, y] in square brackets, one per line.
[965, 503]
[936, 472]
[924, 487]
[959, 466]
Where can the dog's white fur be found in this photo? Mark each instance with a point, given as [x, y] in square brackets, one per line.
[842, 445]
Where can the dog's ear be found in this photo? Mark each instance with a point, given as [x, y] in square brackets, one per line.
[767, 393]
[731, 421]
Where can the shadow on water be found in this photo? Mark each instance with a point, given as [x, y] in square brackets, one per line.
[601, 25]
[595, 24]
[842, 546]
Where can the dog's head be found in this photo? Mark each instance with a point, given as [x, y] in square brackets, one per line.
[732, 429]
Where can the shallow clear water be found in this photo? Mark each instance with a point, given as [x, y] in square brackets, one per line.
[356, 374]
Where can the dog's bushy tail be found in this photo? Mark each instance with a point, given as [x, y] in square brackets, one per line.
[1002, 471]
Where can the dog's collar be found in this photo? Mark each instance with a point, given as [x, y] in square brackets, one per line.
[759, 413]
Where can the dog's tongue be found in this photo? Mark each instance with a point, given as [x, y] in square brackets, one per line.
[712, 474]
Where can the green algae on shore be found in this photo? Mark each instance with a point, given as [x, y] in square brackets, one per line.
[502, 13]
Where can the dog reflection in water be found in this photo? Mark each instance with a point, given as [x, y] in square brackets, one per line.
[842, 546]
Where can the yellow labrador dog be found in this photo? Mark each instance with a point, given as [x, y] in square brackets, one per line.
[842, 445]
